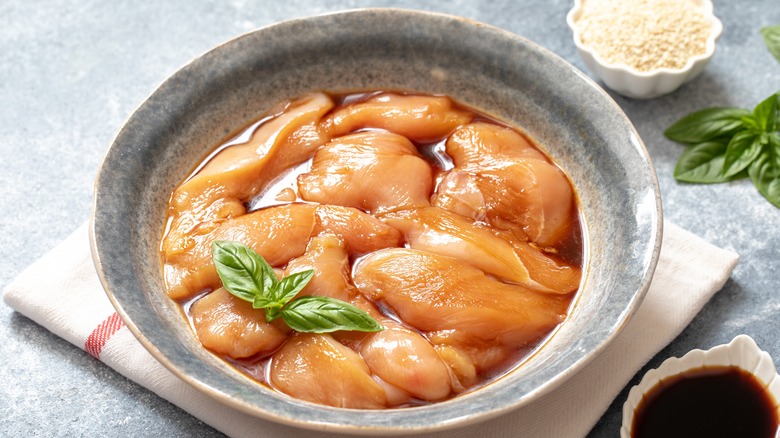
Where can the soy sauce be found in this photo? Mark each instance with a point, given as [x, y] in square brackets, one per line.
[720, 401]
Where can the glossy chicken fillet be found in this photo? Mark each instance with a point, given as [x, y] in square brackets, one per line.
[219, 189]
[418, 118]
[239, 171]
[327, 256]
[509, 184]
[278, 234]
[361, 232]
[441, 232]
[408, 361]
[319, 369]
[372, 171]
[228, 325]
[435, 293]
[405, 362]
[480, 144]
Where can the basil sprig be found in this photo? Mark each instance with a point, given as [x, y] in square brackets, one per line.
[771, 35]
[245, 274]
[731, 143]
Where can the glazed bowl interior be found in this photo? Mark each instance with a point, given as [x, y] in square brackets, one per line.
[492, 70]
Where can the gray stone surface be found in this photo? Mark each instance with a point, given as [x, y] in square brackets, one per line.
[71, 72]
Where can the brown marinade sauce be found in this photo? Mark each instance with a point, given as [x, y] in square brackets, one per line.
[718, 401]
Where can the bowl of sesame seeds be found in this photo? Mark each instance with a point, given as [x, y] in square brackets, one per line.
[644, 48]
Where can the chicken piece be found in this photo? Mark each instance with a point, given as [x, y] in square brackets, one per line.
[241, 171]
[218, 191]
[361, 232]
[317, 368]
[520, 190]
[464, 372]
[438, 231]
[372, 171]
[400, 357]
[418, 118]
[557, 276]
[436, 293]
[457, 191]
[231, 326]
[407, 360]
[498, 253]
[479, 144]
[531, 197]
[277, 233]
[327, 256]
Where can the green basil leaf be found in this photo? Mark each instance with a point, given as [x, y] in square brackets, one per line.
[315, 314]
[774, 143]
[292, 284]
[702, 163]
[765, 113]
[765, 174]
[707, 124]
[771, 36]
[240, 269]
[750, 122]
[262, 301]
[742, 150]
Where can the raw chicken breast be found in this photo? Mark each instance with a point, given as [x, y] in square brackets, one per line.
[479, 144]
[408, 361]
[361, 232]
[219, 190]
[458, 192]
[317, 368]
[418, 118]
[372, 171]
[277, 233]
[399, 357]
[499, 176]
[438, 231]
[327, 256]
[237, 173]
[436, 293]
[229, 325]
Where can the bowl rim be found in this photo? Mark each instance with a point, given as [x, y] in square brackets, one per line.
[557, 380]
[716, 30]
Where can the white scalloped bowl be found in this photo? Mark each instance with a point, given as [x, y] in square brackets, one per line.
[742, 352]
[636, 84]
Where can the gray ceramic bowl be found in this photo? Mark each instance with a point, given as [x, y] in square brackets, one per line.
[484, 67]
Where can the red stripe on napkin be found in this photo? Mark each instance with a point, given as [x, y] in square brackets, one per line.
[102, 333]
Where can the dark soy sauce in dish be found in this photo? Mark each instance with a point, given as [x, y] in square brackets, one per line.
[718, 401]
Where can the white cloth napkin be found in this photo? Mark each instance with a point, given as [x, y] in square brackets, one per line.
[689, 272]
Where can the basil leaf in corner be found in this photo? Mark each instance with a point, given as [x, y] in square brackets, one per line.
[765, 174]
[707, 124]
[702, 163]
[771, 35]
[766, 112]
[315, 314]
[742, 150]
[240, 269]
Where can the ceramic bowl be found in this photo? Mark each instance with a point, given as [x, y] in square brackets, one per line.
[742, 352]
[633, 83]
[487, 68]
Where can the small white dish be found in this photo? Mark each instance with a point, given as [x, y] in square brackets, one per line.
[633, 83]
[742, 352]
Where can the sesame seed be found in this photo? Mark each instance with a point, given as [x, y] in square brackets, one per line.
[644, 34]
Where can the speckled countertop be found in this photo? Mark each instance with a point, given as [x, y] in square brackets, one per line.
[72, 71]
